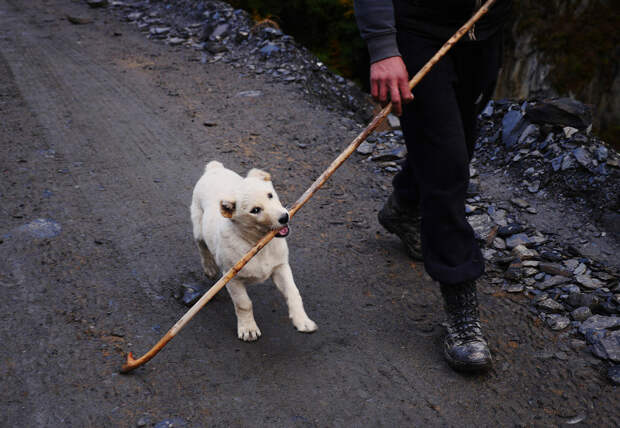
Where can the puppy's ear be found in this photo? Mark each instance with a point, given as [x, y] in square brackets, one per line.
[260, 174]
[227, 208]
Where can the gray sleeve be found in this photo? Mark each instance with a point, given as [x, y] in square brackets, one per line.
[375, 19]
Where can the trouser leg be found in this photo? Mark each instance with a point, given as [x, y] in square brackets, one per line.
[436, 174]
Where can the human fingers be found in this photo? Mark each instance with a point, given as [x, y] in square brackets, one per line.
[405, 92]
[396, 99]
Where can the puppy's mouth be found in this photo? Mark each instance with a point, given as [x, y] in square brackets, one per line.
[283, 232]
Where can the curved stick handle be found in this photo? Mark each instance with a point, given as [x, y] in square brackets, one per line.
[318, 183]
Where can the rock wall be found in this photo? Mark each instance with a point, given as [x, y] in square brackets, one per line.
[566, 48]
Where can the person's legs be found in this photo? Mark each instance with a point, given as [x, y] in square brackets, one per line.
[439, 129]
[438, 169]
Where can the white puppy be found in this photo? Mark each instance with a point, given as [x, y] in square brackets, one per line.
[229, 215]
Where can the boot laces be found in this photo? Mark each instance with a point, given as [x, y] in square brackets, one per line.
[465, 329]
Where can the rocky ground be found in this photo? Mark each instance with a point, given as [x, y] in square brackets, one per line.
[109, 113]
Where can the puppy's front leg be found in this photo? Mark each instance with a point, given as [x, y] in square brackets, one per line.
[246, 325]
[283, 278]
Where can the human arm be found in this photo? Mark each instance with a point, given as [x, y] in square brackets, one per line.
[388, 74]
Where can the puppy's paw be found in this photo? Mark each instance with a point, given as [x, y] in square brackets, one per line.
[248, 332]
[304, 324]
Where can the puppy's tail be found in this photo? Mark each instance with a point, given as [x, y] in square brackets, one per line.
[213, 164]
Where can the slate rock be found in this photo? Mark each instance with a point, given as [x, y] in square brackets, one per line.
[599, 323]
[550, 305]
[269, 49]
[556, 163]
[521, 203]
[509, 229]
[568, 162]
[607, 346]
[571, 288]
[499, 244]
[365, 148]
[583, 299]
[552, 256]
[530, 134]
[215, 47]
[191, 293]
[159, 31]
[557, 322]
[271, 33]
[219, 32]
[582, 156]
[134, 16]
[390, 155]
[175, 41]
[588, 282]
[561, 112]
[553, 281]
[513, 272]
[482, 224]
[601, 153]
[524, 253]
[580, 269]
[513, 125]
[488, 110]
[582, 313]
[569, 131]
[518, 239]
[554, 269]
[515, 288]
[393, 121]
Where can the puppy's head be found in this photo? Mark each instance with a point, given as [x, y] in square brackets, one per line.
[256, 206]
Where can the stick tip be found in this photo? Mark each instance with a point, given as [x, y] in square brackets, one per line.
[129, 365]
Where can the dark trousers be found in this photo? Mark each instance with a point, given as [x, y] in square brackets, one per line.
[439, 126]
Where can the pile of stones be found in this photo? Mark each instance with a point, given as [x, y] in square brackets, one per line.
[548, 147]
[221, 33]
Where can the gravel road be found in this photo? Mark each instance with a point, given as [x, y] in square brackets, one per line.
[103, 135]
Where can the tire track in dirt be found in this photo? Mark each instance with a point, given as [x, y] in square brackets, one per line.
[93, 115]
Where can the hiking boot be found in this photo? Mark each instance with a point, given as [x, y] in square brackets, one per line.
[465, 348]
[405, 223]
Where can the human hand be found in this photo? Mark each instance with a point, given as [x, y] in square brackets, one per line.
[389, 75]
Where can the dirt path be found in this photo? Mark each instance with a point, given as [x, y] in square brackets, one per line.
[103, 136]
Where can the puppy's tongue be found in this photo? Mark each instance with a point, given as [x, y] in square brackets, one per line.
[283, 232]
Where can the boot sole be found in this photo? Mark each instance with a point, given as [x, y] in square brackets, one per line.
[468, 367]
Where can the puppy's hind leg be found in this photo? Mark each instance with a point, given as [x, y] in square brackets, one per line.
[246, 325]
[208, 261]
[283, 278]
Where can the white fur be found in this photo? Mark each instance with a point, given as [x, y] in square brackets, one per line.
[222, 241]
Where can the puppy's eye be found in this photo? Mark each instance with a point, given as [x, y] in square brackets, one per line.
[269, 195]
[255, 210]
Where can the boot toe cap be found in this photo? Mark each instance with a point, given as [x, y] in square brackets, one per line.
[472, 356]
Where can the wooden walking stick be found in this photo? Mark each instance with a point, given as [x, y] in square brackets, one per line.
[376, 121]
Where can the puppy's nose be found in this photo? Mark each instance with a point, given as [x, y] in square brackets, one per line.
[283, 219]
